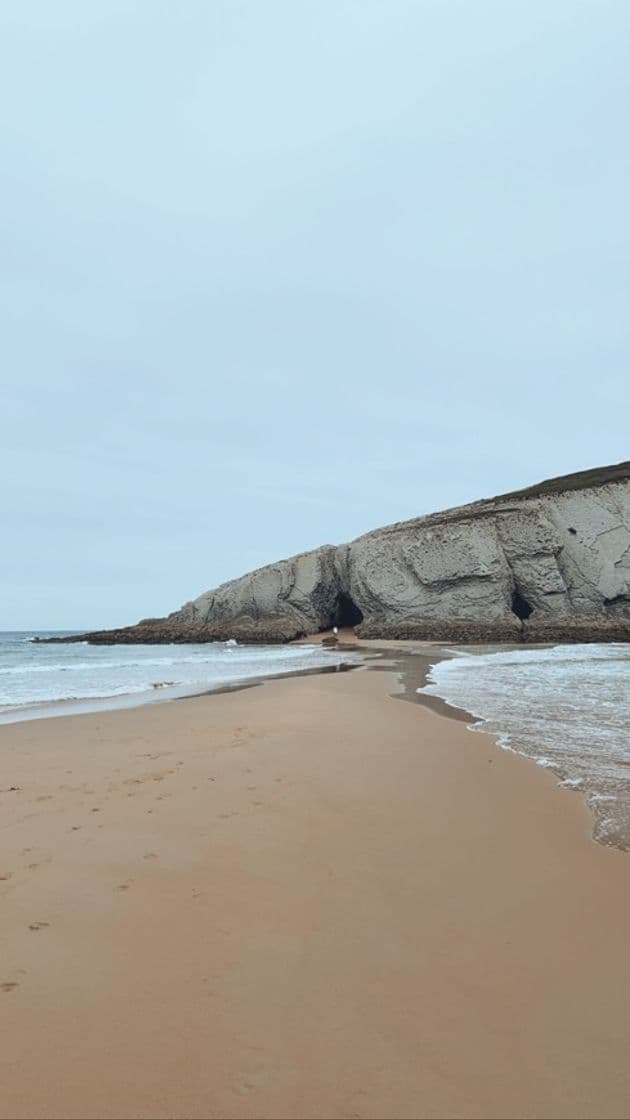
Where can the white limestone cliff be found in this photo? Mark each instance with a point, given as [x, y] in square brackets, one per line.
[548, 563]
[553, 554]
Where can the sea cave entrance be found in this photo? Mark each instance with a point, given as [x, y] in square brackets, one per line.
[520, 607]
[346, 611]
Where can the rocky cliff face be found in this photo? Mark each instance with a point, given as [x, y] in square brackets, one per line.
[551, 562]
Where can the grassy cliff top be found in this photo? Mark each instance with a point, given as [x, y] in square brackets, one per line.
[581, 480]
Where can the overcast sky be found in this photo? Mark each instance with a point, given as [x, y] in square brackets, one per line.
[274, 274]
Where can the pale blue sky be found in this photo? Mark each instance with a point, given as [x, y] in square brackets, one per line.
[276, 273]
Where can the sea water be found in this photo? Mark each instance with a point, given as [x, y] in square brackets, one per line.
[49, 679]
[567, 707]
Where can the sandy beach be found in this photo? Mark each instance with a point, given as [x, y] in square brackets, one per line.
[303, 899]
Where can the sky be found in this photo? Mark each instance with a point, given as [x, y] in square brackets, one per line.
[276, 273]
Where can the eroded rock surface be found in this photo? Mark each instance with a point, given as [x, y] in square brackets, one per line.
[548, 563]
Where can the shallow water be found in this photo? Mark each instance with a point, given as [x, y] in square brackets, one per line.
[567, 707]
[32, 675]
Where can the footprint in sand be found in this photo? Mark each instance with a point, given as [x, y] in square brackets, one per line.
[8, 985]
[38, 925]
[246, 1083]
[240, 737]
[39, 863]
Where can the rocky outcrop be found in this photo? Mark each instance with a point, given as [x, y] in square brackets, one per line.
[548, 563]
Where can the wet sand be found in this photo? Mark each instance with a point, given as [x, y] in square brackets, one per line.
[303, 899]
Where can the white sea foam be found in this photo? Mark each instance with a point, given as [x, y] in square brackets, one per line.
[33, 674]
[568, 708]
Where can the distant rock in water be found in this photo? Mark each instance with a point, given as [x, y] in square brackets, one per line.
[550, 563]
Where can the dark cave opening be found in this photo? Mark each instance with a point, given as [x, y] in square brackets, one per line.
[346, 611]
[522, 609]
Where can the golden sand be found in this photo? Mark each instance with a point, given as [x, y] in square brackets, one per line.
[305, 899]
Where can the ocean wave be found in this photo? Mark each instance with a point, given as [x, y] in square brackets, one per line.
[129, 663]
[566, 708]
[34, 676]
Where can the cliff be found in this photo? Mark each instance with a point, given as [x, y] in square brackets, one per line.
[551, 562]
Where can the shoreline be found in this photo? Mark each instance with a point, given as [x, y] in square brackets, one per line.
[303, 900]
[410, 662]
[164, 692]
[366, 649]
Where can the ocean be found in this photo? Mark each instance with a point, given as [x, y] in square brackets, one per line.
[567, 707]
[58, 679]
